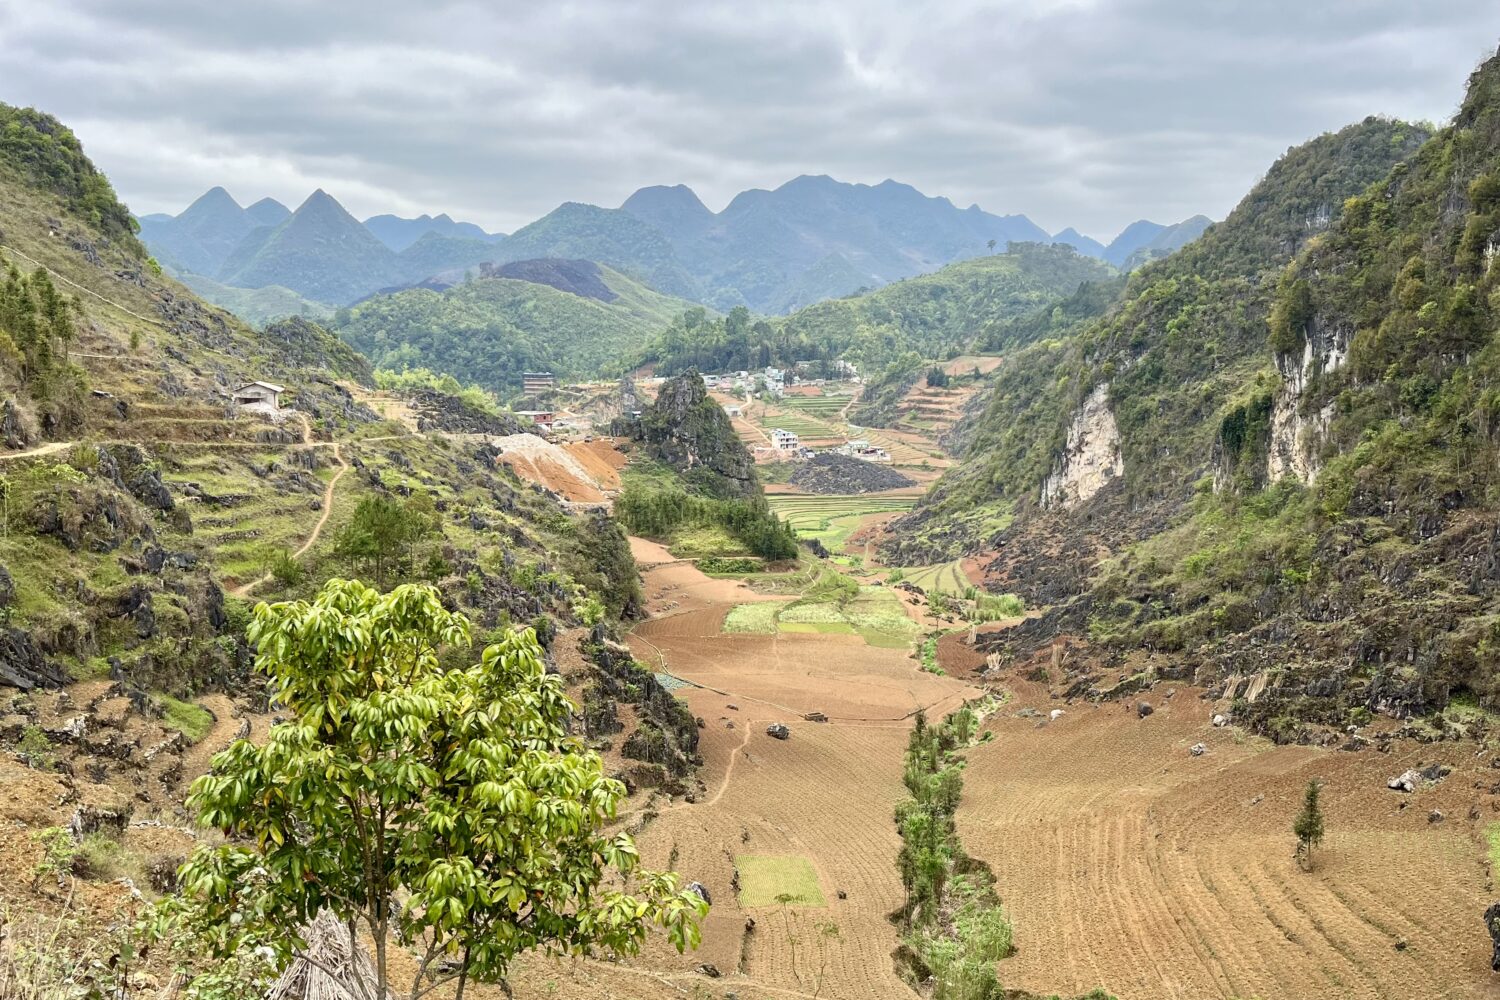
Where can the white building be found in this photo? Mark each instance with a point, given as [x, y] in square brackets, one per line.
[259, 397]
[785, 440]
[862, 449]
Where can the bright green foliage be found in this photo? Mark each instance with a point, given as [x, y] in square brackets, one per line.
[734, 342]
[447, 811]
[38, 325]
[937, 313]
[655, 509]
[192, 721]
[490, 330]
[415, 379]
[49, 156]
[953, 919]
[932, 315]
[385, 531]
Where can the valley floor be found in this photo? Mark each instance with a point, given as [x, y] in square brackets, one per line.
[1125, 862]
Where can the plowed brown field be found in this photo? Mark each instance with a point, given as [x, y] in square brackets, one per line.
[825, 795]
[1128, 863]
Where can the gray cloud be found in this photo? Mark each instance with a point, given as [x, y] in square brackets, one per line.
[1089, 113]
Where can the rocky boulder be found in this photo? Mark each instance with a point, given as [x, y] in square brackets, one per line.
[831, 473]
[778, 731]
[22, 664]
[1412, 779]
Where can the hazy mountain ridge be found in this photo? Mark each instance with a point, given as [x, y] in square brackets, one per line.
[398, 233]
[318, 252]
[813, 238]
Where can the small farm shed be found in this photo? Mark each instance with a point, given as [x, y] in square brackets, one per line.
[260, 395]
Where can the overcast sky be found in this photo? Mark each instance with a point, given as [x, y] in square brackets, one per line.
[1089, 113]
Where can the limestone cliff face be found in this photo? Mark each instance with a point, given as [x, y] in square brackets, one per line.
[1091, 458]
[1297, 428]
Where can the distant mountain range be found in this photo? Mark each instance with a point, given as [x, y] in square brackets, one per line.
[813, 238]
[320, 251]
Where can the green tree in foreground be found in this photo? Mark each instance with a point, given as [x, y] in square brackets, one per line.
[442, 811]
[1309, 825]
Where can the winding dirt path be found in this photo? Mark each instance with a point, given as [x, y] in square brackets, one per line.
[243, 590]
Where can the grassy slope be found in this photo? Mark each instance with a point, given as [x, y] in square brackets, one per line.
[161, 358]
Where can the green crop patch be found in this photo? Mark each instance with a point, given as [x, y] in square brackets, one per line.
[765, 877]
[817, 628]
[758, 618]
[945, 578]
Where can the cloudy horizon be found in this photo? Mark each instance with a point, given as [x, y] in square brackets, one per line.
[1082, 113]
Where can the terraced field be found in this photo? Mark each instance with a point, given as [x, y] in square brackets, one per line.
[824, 407]
[946, 578]
[832, 519]
[809, 816]
[250, 501]
[803, 425]
[875, 615]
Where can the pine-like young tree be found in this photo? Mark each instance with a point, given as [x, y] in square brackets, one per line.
[1309, 824]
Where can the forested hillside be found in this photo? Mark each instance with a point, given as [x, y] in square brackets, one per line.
[1283, 433]
[489, 330]
[933, 315]
[694, 472]
[1196, 319]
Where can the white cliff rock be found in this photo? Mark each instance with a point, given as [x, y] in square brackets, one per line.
[1294, 435]
[1092, 457]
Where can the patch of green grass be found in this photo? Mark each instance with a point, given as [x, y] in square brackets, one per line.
[698, 541]
[1492, 836]
[757, 619]
[883, 640]
[104, 858]
[192, 721]
[812, 613]
[93, 668]
[776, 472]
[820, 628]
[763, 877]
